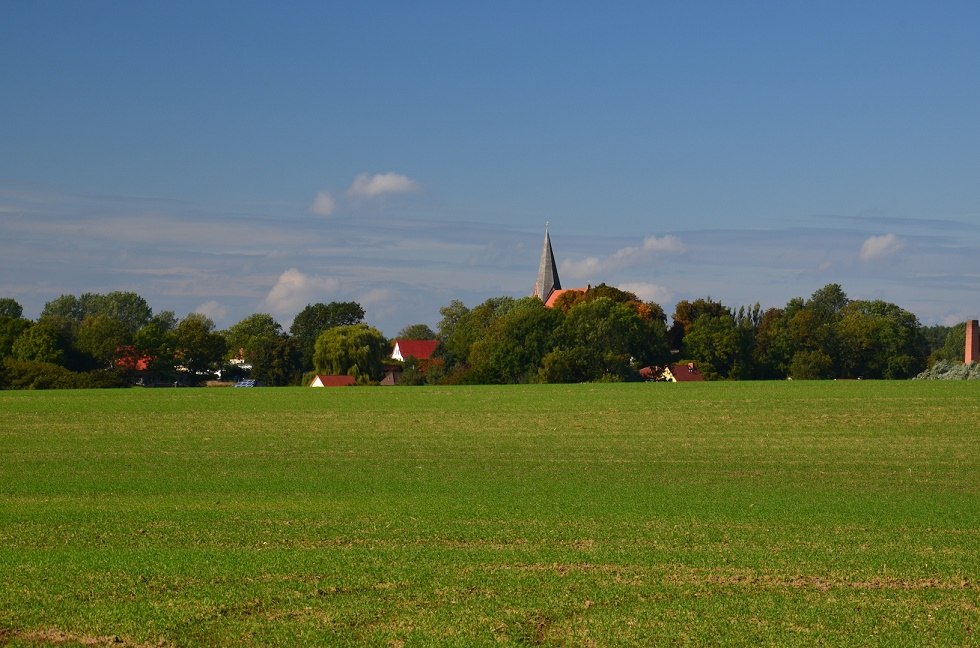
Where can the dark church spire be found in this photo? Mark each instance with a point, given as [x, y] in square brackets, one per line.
[547, 271]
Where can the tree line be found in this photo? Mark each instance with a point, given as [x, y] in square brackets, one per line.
[604, 334]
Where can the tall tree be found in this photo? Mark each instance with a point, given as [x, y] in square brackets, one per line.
[102, 337]
[515, 343]
[714, 343]
[615, 337]
[880, 340]
[686, 313]
[416, 332]
[317, 318]
[45, 341]
[277, 361]
[460, 328]
[11, 328]
[10, 308]
[125, 307]
[196, 345]
[245, 336]
[354, 350]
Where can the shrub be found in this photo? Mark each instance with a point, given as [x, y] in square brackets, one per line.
[951, 370]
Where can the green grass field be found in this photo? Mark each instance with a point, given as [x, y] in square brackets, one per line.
[722, 513]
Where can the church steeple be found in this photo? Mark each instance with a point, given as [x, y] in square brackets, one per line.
[547, 271]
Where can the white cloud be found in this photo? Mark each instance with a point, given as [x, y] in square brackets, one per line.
[877, 247]
[212, 310]
[624, 257]
[324, 204]
[375, 296]
[368, 186]
[294, 290]
[647, 291]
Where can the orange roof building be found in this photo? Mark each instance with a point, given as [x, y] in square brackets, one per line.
[321, 380]
[418, 349]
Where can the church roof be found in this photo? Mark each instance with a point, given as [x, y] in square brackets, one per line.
[547, 272]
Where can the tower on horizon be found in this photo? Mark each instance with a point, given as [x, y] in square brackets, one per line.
[548, 281]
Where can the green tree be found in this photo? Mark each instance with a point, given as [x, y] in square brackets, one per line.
[460, 328]
[515, 343]
[811, 364]
[245, 336]
[953, 345]
[686, 313]
[64, 307]
[102, 337]
[354, 350]
[880, 340]
[416, 332]
[128, 308]
[10, 308]
[42, 342]
[196, 345]
[277, 362]
[618, 339]
[313, 320]
[11, 328]
[772, 352]
[574, 365]
[714, 343]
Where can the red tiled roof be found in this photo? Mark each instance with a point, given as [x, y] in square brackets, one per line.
[555, 294]
[333, 381]
[686, 373]
[418, 349]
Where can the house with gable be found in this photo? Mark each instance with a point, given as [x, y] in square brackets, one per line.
[321, 380]
[418, 349]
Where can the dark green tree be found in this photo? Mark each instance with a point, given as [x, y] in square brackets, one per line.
[515, 343]
[103, 338]
[416, 332]
[880, 340]
[811, 364]
[45, 341]
[618, 339]
[196, 345]
[460, 328]
[245, 336]
[64, 307]
[11, 328]
[715, 344]
[10, 308]
[277, 362]
[317, 318]
[686, 313]
[128, 308]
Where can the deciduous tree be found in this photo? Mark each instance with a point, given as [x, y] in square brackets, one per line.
[354, 350]
[317, 318]
[196, 345]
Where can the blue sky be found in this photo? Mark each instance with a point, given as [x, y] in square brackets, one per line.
[243, 157]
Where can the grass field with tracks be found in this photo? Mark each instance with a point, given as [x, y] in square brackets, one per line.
[765, 513]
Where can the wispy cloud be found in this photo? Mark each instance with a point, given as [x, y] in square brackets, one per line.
[212, 310]
[294, 290]
[878, 247]
[372, 186]
[324, 204]
[624, 257]
[647, 291]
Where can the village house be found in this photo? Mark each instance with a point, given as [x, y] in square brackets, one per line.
[321, 380]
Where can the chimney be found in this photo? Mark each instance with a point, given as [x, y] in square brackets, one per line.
[972, 341]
